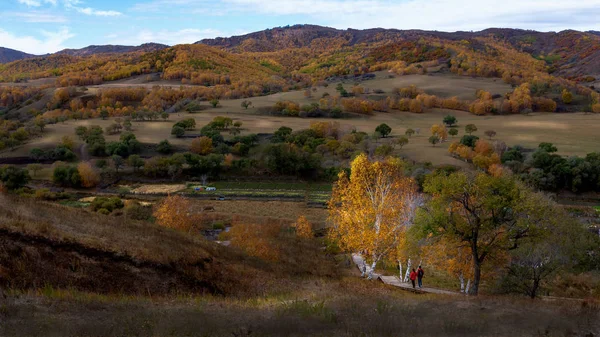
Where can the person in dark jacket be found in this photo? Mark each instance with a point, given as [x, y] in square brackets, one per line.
[413, 277]
[420, 273]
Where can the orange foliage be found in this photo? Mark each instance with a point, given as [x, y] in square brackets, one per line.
[201, 145]
[303, 228]
[440, 131]
[89, 176]
[175, 212]
[257, 240]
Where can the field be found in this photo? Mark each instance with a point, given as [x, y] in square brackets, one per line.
[573, 134]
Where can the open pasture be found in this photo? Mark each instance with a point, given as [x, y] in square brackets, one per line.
[572, 133]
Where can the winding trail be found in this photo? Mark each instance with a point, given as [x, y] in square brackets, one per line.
[395, 281]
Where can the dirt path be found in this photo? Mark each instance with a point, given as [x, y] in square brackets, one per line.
[83, 152]
[395, 281]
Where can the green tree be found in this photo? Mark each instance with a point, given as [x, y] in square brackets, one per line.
[164, 147]
[409, 132]
[136, 162]
[118, 162]
[245, 104]
[450, 120]
[492, 215]
[35, 168]
[434, 140]
[383, 129]
[13, 177]
[400, 141]
[214, 102]
[470, 128]
[178, 131]
[453, 132]
[281, 135]
[164, 116]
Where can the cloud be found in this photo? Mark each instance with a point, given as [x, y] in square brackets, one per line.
[91, 11]
[36, 3]
[447, 15]
[50, 43]
[168, 37]
[73, 4]
[37, 17]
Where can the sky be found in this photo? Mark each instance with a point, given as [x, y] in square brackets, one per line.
[47, 26]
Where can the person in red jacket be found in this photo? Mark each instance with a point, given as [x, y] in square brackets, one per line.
[413, 277]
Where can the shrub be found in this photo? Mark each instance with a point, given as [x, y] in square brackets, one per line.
[108, 204]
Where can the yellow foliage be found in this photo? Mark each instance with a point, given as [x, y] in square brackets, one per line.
[371, 209]
[440, 131]
[256, 240]
[303, 228]
[89, 176]
[175, 212]
[201, 145]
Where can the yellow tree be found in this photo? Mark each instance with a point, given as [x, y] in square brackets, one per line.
[371, 209]
[202, 145]
[89, 176]
[440, 131]
[175, 212]
[303, 228]
[452, 256]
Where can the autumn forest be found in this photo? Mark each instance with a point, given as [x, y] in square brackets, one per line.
[292, 181]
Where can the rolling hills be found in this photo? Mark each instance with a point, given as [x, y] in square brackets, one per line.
[10, 55]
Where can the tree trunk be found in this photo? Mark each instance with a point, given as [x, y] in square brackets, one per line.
[462, 283]
[400, 268]
[476, 276]
[372, 271]
[407, 274]
[468, 286]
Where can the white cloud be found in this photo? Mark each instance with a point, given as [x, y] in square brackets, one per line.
[73, 4]
[168, 37]
[91, 11]
[447, 15]
[37, 17]
[50, 43]
[36, 3]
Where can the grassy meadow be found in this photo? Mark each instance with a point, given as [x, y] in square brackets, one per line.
[572, 133]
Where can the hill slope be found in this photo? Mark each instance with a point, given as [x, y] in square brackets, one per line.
[10, 55]
[568, 53]
[108, 49]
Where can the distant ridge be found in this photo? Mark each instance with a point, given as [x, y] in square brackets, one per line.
[10, 55]
[579, 52]
[109, 49]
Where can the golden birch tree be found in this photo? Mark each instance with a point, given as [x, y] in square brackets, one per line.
[371, 209]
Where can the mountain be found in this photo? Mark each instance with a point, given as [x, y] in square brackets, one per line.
[569, 53]
[9, 55]
[110, 49]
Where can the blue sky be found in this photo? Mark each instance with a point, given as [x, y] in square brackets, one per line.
[45, 26]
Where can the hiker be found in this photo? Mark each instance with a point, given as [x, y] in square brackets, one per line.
[413, 276]
[420, 273]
